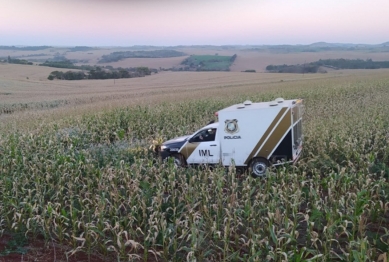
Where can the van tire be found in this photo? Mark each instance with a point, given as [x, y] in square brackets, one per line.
[178, 159]
[258, 167]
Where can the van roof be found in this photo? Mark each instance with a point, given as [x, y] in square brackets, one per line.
[261, 105]
[213, 125]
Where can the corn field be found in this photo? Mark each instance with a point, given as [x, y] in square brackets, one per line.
[93, 184]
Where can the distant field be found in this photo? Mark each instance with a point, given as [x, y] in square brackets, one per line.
[156, 63]
[29, 84]
[25, 90]
[246, 59]
[258, 61]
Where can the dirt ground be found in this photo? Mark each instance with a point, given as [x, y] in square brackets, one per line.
[38, 251]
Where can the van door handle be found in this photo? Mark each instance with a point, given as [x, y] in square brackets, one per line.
[213, 145]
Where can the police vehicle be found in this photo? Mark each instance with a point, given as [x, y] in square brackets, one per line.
[248, 135]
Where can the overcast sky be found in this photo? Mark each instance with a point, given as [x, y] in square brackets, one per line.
[192, 22]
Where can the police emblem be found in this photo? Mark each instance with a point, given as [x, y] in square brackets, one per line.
[231, 126]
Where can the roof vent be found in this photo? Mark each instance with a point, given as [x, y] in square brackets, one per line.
[240, 106]
[273, 103]
[247, 102]
[279, 100]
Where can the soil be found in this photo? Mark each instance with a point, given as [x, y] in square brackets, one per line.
[37, 250]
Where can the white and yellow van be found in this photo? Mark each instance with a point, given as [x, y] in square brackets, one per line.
[248, 135]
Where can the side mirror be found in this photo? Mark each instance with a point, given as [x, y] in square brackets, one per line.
[190, 140]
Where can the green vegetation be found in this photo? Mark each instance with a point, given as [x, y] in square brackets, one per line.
[15, 245]
[66, 64]
[18, 61]
[116, 56]
[208, 63]
[321, 47]
[297, 69]
[24, 48]
[98, 73]
[352, 63]
[91, 183]
[6, 108]
[69, 75]
[313, 67]
[121, 73]
[94, 72]
[81, 49]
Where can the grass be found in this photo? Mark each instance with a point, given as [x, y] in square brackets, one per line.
[91, 182]
[208, 62]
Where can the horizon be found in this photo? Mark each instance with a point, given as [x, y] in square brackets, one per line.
[189, 45]
[119, 23]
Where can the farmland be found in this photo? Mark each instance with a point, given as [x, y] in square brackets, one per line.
[77, 169]
[209, 62]
[248, 57]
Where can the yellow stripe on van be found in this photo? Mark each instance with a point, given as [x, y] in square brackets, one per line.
[188, 149]
[266, 134]
[276, 136]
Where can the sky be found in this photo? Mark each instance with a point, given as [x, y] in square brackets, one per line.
[192, 22]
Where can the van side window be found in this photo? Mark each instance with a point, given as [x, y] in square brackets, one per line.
[205, 135]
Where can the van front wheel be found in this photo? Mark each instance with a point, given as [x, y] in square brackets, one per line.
[178, 160]
[258, 167]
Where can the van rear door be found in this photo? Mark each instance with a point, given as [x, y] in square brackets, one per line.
[297, 137]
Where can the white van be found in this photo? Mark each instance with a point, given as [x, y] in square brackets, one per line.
[253, 135]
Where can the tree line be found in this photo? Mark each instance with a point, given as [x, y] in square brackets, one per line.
[116, 56]
[18, 61]
[341, 63]
[352, 63]
[24, 48]
[66, 64]
[99, 73]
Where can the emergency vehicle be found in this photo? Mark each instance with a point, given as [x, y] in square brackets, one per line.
[248, 135]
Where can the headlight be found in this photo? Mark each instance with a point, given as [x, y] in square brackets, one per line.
[163, 148]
